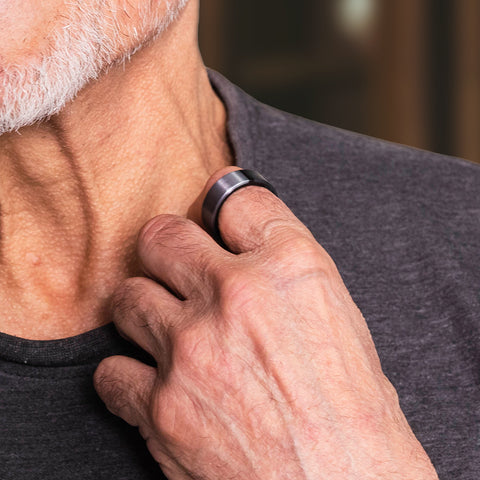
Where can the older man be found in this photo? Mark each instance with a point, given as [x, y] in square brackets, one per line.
[251, 359]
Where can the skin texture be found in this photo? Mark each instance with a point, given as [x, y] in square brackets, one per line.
[75, 190]
[266, 368]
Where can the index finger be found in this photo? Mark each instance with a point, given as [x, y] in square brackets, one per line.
[252, 217]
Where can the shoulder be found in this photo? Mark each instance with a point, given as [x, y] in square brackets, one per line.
[319, 148]
[351, 182]
[348, 175]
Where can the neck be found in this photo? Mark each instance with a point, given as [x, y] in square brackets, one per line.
[76, 189]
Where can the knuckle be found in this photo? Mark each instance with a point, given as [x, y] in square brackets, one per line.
[129, 297]
[162, 228]
[293, 247]
[133, 303]
[282, 230]
[133, 308]
[155, 225]
[296, 249]
[107, 383]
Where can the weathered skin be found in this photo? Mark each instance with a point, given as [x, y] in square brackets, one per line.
[266, 367]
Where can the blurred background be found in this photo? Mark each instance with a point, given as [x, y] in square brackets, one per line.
[403, 70]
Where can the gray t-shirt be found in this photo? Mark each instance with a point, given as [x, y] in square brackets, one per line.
[403, 227]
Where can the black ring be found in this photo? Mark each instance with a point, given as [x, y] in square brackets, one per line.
[221, 190]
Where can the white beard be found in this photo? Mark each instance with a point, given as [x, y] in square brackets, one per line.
[79, 51]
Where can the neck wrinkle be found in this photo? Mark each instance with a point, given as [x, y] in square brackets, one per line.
[140, 141]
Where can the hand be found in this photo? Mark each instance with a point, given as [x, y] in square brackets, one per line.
[266, 367]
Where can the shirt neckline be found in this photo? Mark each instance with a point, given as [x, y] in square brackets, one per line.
[96, 344]
[87, 347]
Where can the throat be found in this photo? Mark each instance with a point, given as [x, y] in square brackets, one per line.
[46, 299]
[54, 322]
[60, 264]
[76, 190]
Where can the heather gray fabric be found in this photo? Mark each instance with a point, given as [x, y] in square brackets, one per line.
[404, 229]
